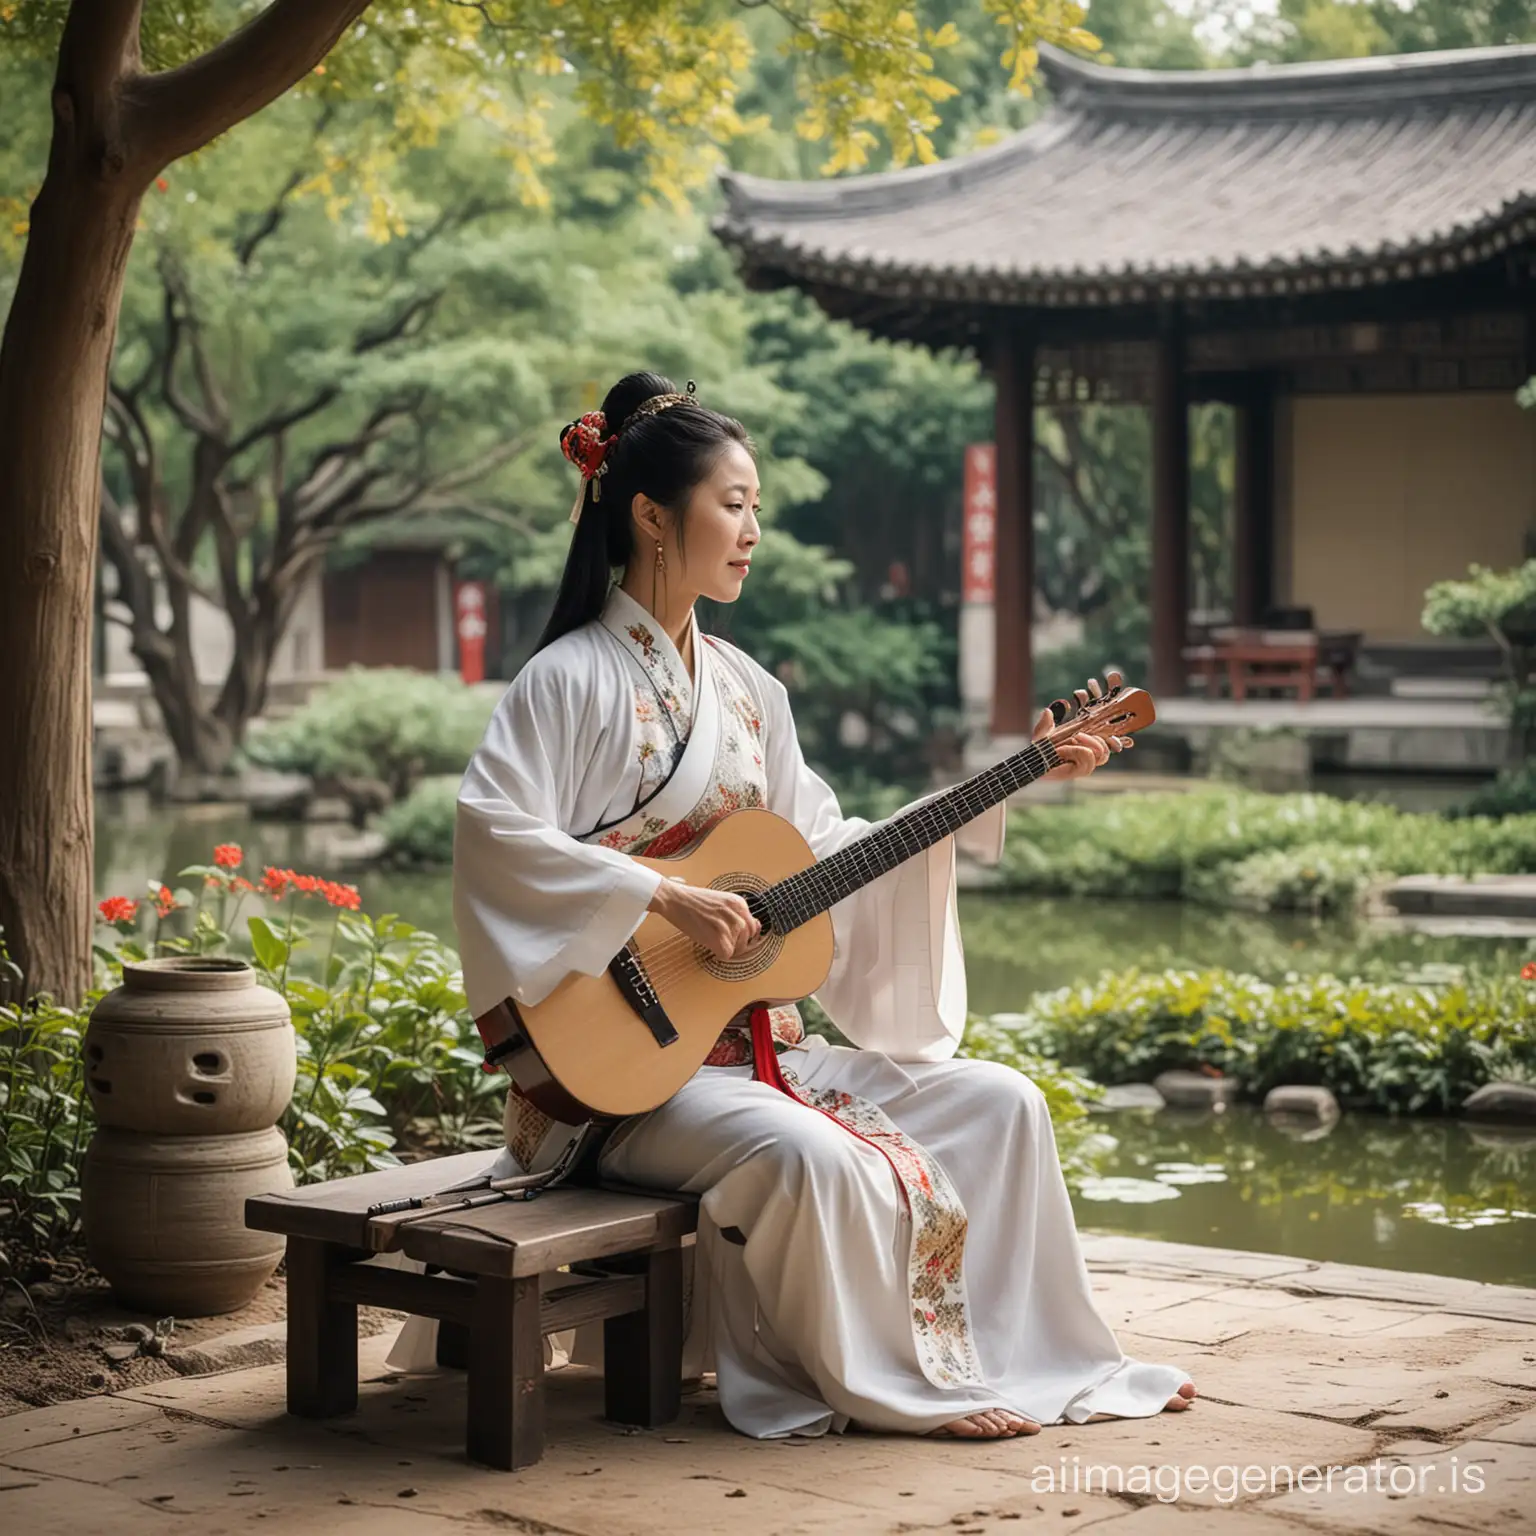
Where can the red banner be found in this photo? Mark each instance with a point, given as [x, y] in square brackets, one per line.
[469, 612]
[978, 540]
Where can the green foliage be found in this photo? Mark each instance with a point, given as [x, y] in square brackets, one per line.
[1320, 878]
[1500, 605]
[386, 1046]
[1378, 1045]
[1513, 793]
[45, 1120]
[419, 829]
[1187, 845]
[1496, 603]
[386, 723]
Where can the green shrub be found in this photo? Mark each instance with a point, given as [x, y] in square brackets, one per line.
[383, 723]
[1176, 845]
[419, 829]
[1319, 878]
[387, 1052]
[45, 1121]
[1513, 793]
[1380, 1045]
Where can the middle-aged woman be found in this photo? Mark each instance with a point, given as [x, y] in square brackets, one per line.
[885, 1236]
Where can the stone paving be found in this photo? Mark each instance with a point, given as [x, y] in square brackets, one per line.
[1419, 1392]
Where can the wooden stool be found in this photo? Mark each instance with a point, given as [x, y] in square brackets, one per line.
[629, 1244]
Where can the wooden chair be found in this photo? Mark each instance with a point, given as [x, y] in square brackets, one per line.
[501, 1283]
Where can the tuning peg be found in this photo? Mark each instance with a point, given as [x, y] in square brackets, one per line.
[1060, 709]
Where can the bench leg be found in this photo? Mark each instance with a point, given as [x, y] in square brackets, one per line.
[643, 1351]
[506, 1375]
[322, 1334]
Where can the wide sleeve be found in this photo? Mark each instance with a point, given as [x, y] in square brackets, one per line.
[897, 982]
[532, 903]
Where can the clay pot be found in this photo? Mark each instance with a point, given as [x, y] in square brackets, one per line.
[190, 1046]
[164, 1217]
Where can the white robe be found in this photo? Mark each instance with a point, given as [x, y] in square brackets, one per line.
[840, 1293]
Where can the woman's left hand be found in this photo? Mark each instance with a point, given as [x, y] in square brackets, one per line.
[1079, 758]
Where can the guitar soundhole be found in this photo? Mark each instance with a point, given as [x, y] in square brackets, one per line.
[763, 951]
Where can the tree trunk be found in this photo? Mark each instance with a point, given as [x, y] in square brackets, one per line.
[54, 359]
[53, 380]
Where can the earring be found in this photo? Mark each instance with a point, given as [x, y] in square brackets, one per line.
[660, 568]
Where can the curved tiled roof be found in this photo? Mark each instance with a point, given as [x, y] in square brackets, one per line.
[1139, 184]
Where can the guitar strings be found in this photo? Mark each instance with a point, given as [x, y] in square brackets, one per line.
[676, 957]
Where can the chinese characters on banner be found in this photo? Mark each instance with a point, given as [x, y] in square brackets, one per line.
[469, 612]
[978, 541]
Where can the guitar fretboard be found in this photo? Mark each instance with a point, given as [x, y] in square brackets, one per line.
[822, 885]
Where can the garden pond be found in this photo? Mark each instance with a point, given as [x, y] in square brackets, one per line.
[1415, 1194]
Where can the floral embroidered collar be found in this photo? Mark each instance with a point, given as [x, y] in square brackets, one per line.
[650, 645]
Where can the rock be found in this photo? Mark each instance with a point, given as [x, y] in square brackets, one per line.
[1509, 1102]
[140, 1333]
[277, 796]
[120, 1354]
[1130, 1096]
[345, 851]
[327, 808]
[1194, 1090]
[365, 797]
[1300, 1099]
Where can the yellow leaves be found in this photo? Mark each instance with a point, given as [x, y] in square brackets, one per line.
[15, 224]
[1031, 22]
[875, 72]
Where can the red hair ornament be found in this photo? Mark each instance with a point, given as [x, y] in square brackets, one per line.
[586, 443]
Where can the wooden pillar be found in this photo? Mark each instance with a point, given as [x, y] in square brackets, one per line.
[1013, 598]
[1170, 515]
[1253, 512]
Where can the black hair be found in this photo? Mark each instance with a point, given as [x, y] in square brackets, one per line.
[663, 455]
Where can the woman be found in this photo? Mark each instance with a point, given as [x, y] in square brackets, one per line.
[906, 1261]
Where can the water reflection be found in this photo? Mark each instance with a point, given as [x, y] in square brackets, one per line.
[1429, 1195]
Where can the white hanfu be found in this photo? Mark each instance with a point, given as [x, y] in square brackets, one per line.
[891, 1241]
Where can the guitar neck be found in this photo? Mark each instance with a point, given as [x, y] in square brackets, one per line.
[802, 896]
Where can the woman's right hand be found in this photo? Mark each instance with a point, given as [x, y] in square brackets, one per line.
[719, 920]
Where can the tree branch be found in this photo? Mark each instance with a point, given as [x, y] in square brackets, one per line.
[180, 110]
[181, 407]
[280, 421]
[99, 48]
[393, 330]
[246, 247]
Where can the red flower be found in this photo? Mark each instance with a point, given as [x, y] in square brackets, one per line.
[162, 183]
[118, 909]
[165, 902]
[240, 883]
[343, 896]
[1528, 971]
[306, 885]
[228, 855]
[275, 882]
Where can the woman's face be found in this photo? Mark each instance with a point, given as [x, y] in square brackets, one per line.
[722, 528]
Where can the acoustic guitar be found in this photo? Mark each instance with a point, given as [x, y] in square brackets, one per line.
[602, 1047]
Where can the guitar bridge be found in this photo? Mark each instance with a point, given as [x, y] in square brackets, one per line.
[628, 971]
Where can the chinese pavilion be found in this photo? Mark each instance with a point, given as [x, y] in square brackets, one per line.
[1345, 253]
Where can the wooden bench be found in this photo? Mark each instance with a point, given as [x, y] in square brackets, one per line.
[625, 1254]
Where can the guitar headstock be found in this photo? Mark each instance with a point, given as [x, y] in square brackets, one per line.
[1121, 711]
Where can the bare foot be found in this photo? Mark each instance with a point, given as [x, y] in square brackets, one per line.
[1182, 1399]
[994, 1424]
